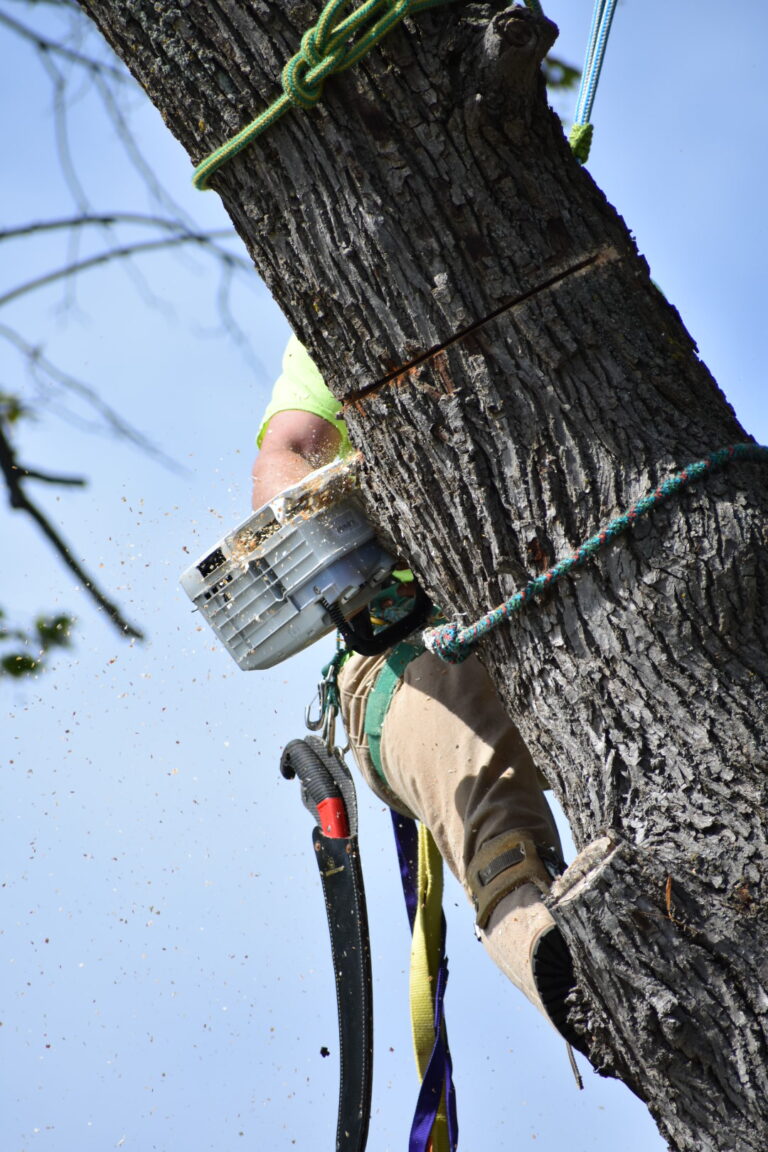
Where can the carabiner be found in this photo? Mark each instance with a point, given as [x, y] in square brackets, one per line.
[321, 695]
[328, 732]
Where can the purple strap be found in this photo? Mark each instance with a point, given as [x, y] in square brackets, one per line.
[407, 841]
[439, 1072]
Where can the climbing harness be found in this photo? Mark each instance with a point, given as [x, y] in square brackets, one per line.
[332, 45]
[294, 570]
[328, 792]
[580, 137]
[453, 643]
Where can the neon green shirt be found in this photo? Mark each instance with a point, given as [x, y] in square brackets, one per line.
[301, 388]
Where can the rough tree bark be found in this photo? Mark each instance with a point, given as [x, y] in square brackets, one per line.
[514, 379]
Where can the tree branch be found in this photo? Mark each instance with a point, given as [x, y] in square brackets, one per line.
[109, 219]
[77, 266]
[14, 473]
[134, 154]
[44, 44]
[49, 478]
[115, 422]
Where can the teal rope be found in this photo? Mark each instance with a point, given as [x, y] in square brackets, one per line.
[581, 133]
[453, 644]
[326, 48]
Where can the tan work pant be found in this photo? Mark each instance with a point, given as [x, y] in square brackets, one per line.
[453, 759]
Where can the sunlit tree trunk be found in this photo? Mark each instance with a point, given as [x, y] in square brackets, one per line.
[514, 380]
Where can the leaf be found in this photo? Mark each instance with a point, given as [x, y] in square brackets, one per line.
[54, 631]
[11, 408]
[18, 664]
[560, 75]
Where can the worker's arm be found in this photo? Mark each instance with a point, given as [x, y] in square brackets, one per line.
[294, 444]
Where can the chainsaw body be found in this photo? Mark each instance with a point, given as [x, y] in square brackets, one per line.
[265, 588]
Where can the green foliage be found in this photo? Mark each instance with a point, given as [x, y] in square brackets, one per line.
[27, 649]
[559, 75]
[562, 82]
[12, 409]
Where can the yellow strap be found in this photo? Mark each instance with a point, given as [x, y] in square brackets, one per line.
[425, 958]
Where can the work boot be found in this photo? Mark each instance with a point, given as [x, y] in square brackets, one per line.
[554, 978]
[508, 879]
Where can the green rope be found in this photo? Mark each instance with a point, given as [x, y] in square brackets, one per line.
[453, 643]
[326, 48]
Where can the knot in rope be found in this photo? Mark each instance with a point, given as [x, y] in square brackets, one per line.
[580, 140]
[444, 642]
[332, 45]
[304, 76]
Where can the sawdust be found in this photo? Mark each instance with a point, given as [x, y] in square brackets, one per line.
[251, 537]
[318, 491]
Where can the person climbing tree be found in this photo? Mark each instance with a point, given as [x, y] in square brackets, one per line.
[445, 751]
[515, 381]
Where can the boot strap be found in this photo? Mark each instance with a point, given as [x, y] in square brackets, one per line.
[504, 864]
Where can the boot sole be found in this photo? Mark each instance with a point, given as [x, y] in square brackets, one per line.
[554, 978]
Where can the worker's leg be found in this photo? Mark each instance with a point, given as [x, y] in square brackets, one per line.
[453, 759]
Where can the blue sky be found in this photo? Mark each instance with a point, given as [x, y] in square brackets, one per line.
[166, 976]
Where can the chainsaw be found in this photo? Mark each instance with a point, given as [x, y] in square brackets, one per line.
[304, 564]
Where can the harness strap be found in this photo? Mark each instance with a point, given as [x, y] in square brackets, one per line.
[381, 697]
[429, 971]
[435, 1127]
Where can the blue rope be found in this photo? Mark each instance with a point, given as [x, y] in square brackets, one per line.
[602, 19]
[581, 133]
[453, 643]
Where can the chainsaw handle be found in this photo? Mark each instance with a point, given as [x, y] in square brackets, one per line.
[359, 638]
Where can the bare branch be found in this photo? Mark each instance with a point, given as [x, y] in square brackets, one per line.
[113, 219]
[61, 130]
[74, 67]
[113, 420]
[75, 267]
[227, 317]
[14, 473]
[44, 44]
[49, 478]
[135, 155]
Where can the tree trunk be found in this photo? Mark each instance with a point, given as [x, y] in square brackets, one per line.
[514, 380]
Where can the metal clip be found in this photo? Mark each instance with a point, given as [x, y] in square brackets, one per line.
[321, 696]
[328, 732]
[328, 710]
